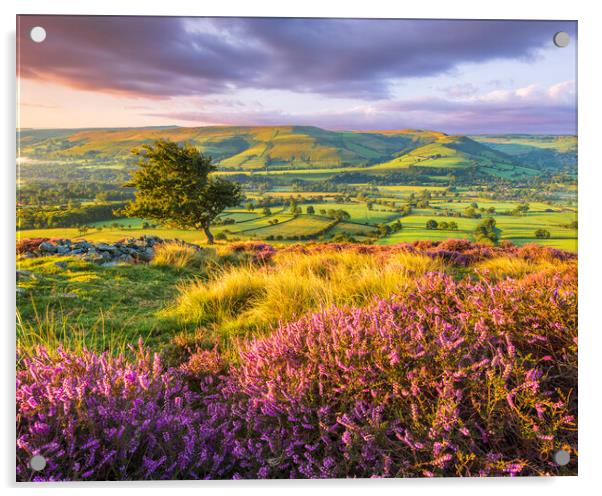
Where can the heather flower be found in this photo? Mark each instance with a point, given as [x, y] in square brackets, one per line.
[115, 427]
[448, 379]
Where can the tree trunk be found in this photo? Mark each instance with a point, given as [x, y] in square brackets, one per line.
[208, 234]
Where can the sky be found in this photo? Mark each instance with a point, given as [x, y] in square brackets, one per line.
[459, 77]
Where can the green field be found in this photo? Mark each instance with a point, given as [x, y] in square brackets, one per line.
[302, 225]
[123, 222]
[518, 229]
[359, 212]
[327, 170]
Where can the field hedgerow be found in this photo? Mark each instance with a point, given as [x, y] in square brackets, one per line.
[455, 378]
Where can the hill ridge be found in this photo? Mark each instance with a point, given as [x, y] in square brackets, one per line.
[248, 148]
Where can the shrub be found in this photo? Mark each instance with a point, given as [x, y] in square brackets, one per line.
[414, 374]
[455, 379]
[99, 418]
[256, 253]
[29, 244]
[486, 232]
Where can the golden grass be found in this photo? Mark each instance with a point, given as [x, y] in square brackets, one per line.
[517, 268]
[245, 299]
[183, 256]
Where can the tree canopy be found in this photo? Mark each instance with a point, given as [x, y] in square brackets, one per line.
[487, 232]
[174, 186]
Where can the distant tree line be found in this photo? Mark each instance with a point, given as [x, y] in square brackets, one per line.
[62, 192]
[40, 218]
[432, 224]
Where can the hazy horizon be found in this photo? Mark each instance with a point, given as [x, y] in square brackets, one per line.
[159, 126]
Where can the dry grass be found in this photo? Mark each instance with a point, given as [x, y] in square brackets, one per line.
[517, 268]
[183, 256]
[250, 298]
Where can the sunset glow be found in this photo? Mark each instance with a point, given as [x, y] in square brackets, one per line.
[454, 76]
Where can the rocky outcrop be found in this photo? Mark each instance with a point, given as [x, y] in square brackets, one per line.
[131, 250]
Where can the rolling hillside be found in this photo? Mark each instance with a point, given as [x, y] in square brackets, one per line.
[233, 147]
[298, 148]
[541, 151]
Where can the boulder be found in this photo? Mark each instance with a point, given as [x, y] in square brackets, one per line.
[47, 247]
[145, 255]
[105, 247]
[94, 258]
[126, 258]
[129, 250]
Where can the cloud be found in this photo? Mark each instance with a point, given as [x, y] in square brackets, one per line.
[460, 90]
[529, 110]
[164, 57]
[563, 90]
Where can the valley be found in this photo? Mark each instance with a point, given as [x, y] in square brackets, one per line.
[386, 185]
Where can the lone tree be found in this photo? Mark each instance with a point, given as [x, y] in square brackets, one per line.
[486, 232]
[174, 186]
[431, 224]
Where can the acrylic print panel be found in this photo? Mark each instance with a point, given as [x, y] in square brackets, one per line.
[295, 248]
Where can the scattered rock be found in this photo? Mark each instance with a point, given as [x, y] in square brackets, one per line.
[61, 264]
[126, 258]
[94, 258]
[145, 255]
[106, 247]
[132, 250]
[48, 247]
[21, 291]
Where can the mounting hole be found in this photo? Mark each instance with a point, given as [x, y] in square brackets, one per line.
[562, 457]
[37, 463]
[562, 39]
[38, 34]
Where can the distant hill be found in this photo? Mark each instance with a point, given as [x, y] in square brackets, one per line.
[236, 147]
[539, 151]
[307, 147]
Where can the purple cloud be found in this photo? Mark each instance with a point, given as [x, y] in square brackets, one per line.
[528, 110]
[163, 57]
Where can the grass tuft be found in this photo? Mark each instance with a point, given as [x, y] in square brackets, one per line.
[182, 256]
[255, 298]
